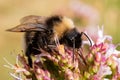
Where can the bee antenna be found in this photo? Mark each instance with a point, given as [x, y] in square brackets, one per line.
[82, 33]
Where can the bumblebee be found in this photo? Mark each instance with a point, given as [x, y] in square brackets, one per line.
[41, 32]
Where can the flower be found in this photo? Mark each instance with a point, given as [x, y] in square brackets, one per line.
[101, 61]
[17, 69]
[104, 70]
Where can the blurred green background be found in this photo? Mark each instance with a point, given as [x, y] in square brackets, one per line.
[86, 13]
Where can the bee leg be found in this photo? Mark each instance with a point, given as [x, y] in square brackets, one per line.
[73, 49]
[56, 40]
[30, 61]
[28, 54]
[81, 55]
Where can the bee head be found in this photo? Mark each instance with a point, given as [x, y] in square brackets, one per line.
[72, 37]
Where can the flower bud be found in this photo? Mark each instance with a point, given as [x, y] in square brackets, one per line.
[95, 68]
[114, 65]
[89, 57]
[98, 57]
[86, 75]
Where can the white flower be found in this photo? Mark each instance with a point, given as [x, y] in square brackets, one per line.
[112, 51]
[101, 37]
[103, 71]
[118, 63]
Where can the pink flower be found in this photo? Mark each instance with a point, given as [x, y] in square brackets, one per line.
[98, 48]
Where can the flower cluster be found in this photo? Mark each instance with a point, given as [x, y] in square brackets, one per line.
[101, 61]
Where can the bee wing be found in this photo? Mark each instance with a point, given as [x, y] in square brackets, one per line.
[33, 19]
[28, 27]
